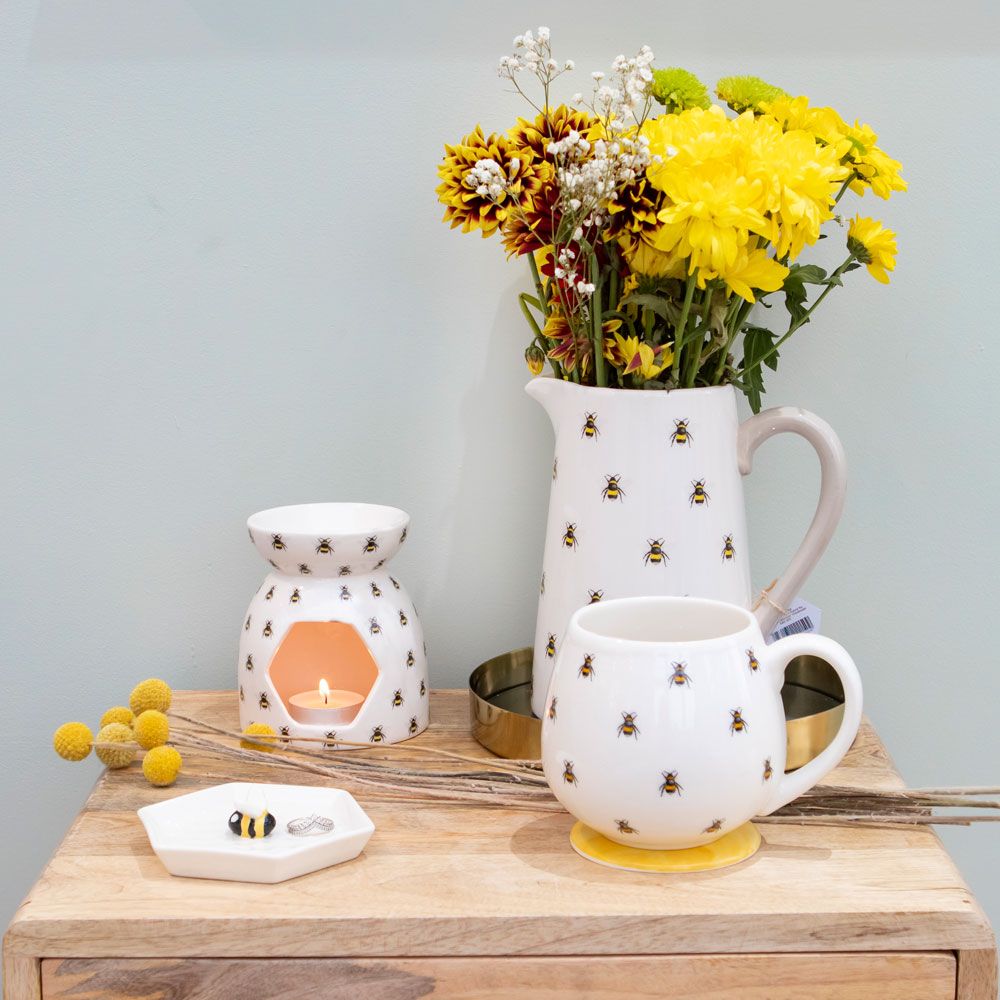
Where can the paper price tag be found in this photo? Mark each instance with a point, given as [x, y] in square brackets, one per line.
[802, 617]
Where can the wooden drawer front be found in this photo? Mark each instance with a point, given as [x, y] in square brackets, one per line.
[847, 976]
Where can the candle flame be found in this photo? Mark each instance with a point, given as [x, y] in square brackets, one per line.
[324, 690]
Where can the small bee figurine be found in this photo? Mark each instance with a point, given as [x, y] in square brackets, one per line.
[344, 571]
[269, 594]
[679, 676]
[403, 620]
[698, 494]
[627, 726]
[249, 663]
[397, 698]
[375, 590]
[413, 725]
[263, 702]
[330, 739]
[587, 667]
[402, 537]
[296, 597]
[568, 776]
[423, 689]
[613, 490]
[590, 426]
[670, 785]
[242, 695]
[323, 547]
[655, 553]
[739, 724]
[251, 827]
[714, 827]
[552, 708]
[394, 582]
[569, 536]
[304, 569]
[267, 631]
[728, 552]
[624, 826]
[550, 646]
[371, 544]
[595, 596]
[246, 624]
[377, 735]
[373, 626]
[345, 592]
[768, 770]
[277, 543]
[410, 660]
[681, 434]
[752, 662]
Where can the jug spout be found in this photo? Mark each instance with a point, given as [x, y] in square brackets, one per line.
[544, 389]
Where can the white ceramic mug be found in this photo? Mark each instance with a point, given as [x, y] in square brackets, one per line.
[663, 725]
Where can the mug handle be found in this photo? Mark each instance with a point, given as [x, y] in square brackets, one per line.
[778, 655]
[833, 486]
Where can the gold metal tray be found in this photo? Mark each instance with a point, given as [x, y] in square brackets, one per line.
[500, 704]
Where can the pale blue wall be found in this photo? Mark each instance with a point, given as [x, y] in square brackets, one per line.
[225, 286]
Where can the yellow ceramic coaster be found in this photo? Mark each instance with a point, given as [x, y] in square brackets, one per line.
[730, 849]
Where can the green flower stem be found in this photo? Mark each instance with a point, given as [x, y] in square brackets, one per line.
[843, 189]
[540, 291]
[523, 301]
[795, 324]
[740, 310]
[699, 344]
[681, 327]
[597, 322]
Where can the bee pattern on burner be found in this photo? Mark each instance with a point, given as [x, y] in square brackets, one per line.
[371, 544]
[323, 547]
[345, 593]
[373, 626]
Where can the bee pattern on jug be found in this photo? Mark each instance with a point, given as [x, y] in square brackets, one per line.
[649, 500]
[331, 592]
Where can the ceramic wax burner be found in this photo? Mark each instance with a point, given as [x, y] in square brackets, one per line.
[664, 729]
[331, 645]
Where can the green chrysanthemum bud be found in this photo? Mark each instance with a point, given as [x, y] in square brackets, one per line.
[677, 90]
[742, 92]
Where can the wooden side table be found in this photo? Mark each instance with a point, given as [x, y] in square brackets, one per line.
[463, 901]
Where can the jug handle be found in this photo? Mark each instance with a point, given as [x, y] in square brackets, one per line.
[777, 656]
[833, 486]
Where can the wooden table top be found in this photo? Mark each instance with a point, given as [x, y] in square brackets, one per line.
[471, 880]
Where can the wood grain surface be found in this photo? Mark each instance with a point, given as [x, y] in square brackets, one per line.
[454, 880]
[914, 976]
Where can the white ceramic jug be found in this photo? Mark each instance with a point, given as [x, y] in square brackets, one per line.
[664, 727]
[647, 498]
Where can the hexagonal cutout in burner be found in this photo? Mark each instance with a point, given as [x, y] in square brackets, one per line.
[323, 672]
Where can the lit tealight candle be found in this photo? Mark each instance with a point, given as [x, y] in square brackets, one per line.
[325, 706]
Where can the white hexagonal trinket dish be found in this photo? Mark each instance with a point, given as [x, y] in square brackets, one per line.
[191, 836]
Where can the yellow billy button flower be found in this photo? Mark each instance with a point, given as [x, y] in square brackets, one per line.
[151, 728]
[258, 730]
[161, 766]
[72, 741]
[873, 245]
[150, 693]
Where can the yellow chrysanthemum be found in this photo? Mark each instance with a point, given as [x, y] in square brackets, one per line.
[119, 713]
[464, 206]
[151, 728]
[115, 757]
[161, 766]
[873, 245]
[744, 93]
[643, 258]
[150, 693]
[72, 741]
[751, 271]
[258, 729]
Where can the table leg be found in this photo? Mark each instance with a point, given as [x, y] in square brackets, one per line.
[977, 974]
[22, 976]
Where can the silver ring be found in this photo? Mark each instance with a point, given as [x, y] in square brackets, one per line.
[310, 826]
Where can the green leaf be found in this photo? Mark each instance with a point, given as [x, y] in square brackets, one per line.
[794, 288]
[757, 341]
[810, 274]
